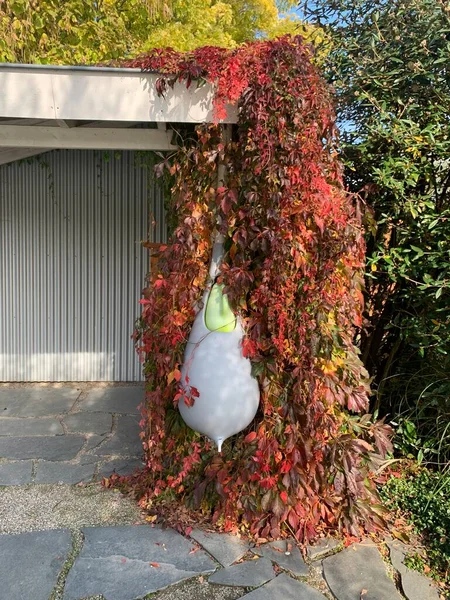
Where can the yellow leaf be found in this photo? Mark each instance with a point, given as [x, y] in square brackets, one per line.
[151, 519]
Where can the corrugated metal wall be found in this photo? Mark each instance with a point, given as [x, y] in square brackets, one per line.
[71, 264]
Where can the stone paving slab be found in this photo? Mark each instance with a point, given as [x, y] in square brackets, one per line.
[117, 562]
[22, 426]
[36, 401]
[251, 573]
[125, 441]
[276, 552]
[61, 472]
[61, 447]
[284, 587]
[359, 567]
[16, 473]
[122, 399]
[415, 585]
[93, 441]
[321, 547]
[82, 422]
[224, 547]
[30, 563]
[120, 466]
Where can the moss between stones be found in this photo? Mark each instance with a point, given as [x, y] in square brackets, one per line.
[77, 545]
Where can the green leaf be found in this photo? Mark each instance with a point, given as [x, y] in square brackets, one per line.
[419, 251]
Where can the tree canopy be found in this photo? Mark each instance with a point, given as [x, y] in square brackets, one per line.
[87, 32]
[388, 62]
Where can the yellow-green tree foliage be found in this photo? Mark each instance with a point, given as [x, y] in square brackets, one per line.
[88, 31]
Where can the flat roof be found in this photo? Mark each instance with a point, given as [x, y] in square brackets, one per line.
[48, 67]
[100, 93]
[52, 106]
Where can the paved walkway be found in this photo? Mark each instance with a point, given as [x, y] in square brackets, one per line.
[59, 436]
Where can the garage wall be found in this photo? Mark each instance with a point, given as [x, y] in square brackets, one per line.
[71, 264]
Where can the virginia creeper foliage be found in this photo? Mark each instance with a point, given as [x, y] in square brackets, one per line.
[294, 254]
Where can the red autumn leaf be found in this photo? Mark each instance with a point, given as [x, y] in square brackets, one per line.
[293, 519]
[284, 496]
[250, 437]
[286, 466]
[228, 199]
[155, 565]
[248, 348]
[177, 397]
[277, 506]
[320, 223]
[194, 392]
[189, 401]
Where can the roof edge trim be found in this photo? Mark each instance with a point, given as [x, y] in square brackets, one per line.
[92, 69]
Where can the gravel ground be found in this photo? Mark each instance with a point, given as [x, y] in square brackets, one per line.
[33, 507]
[198, 589]
[193, 589]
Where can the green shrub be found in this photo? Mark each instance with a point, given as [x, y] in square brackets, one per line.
[423, 497]
[419, 401]
[388, 62]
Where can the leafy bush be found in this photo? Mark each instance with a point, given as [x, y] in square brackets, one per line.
[292, 271]
[420, 403]
[423, 496]
[388, 62]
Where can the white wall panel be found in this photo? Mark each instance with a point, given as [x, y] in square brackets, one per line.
[71, 265]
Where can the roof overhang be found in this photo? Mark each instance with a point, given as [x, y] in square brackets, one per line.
[100, 94]
[44, 107]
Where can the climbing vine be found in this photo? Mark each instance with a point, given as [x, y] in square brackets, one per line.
[292, 270]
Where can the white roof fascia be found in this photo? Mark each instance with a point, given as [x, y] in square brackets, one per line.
[100, 94]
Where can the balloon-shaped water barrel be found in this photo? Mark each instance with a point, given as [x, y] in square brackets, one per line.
[215, 366]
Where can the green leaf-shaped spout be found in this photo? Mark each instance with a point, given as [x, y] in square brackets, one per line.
[218, 314]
